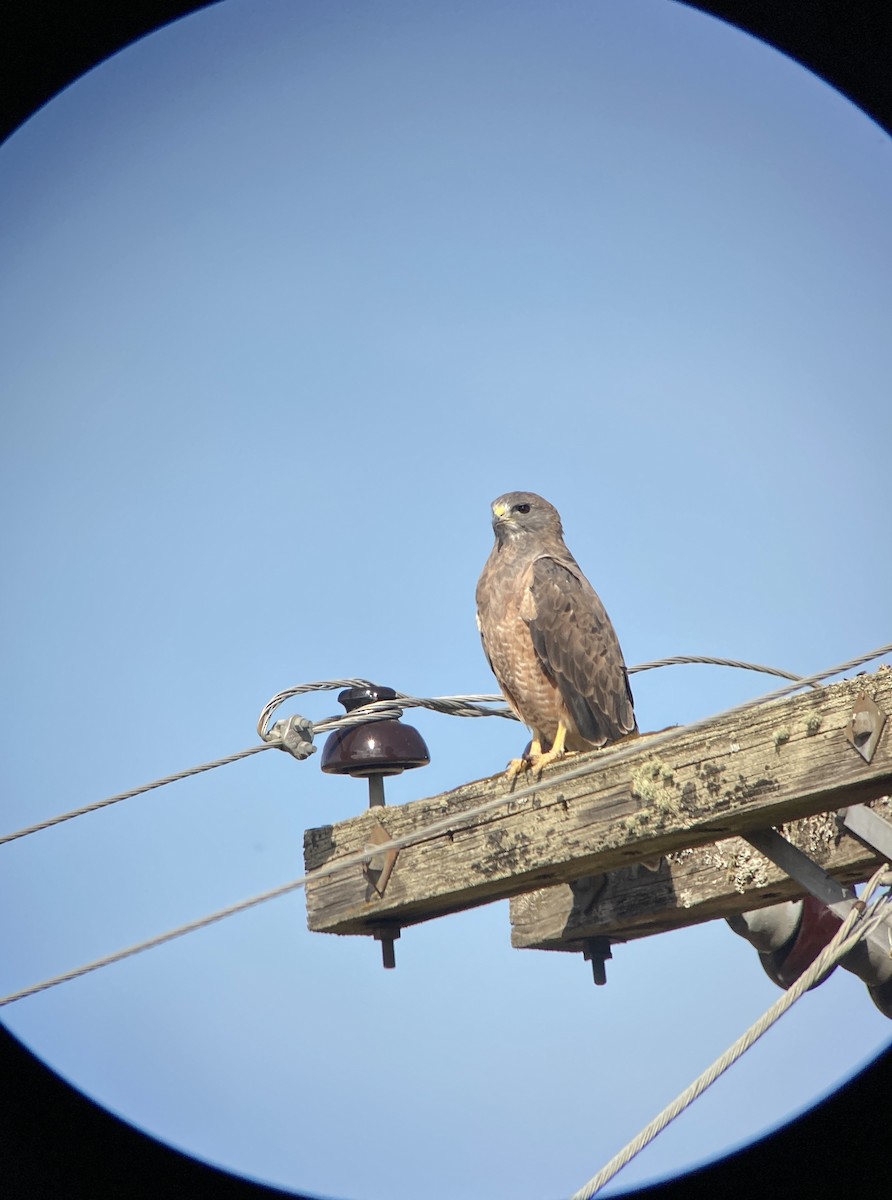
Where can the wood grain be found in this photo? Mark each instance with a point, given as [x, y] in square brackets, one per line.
[690, 886]
[779, 762]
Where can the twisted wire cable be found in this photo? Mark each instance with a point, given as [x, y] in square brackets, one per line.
[146, 787]
[843, 941]
[474, 705]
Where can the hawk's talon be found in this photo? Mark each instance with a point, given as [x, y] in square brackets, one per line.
[526, 762]
[540, 761]
[535, 759]
[516, 768]
[545, 760]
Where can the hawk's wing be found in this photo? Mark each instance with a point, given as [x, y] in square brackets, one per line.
[579, 649]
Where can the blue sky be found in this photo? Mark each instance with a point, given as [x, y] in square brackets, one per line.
[289, 293]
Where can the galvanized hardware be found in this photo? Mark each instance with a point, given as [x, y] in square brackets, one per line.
[294, 734]
[597, 950]
[378, 868]
[387, 935]
[800, 867]
[868, 827]
[865, 726]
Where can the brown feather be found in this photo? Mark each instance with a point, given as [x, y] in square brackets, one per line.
[579, 649]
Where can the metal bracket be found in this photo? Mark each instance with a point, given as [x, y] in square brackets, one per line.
[378, 868]
[804, 870]
[865, 726]
[868, 827]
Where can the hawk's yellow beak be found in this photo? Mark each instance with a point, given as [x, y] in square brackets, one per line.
[500, 510]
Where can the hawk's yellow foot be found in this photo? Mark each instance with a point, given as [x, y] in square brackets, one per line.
[517, 766]
[540, 761]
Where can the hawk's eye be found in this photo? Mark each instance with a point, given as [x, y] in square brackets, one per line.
[522, 508]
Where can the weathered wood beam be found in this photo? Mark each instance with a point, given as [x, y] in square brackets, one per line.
[690, 886]
[778, 762]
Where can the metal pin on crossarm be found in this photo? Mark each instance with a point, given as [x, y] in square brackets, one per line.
[372, 751]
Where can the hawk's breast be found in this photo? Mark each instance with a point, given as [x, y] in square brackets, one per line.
[503, 602]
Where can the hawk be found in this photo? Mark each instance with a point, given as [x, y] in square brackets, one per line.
[548, 638]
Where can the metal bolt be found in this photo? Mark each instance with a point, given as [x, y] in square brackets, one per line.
[376, 791]
[387, 937]
[597, 951]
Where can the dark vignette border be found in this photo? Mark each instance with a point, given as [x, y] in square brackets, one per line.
[55, 1142]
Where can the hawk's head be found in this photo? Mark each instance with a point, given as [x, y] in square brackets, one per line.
[524, 514]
